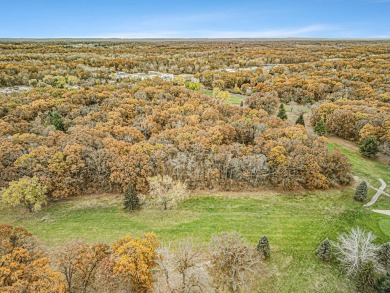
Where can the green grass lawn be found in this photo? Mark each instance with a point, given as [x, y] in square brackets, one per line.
[294, 223]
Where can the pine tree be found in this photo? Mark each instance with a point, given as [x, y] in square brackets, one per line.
[384, 256]
[365, 278]
[319, 128]
[300, 120]
[383, 284]
[324, 251]
[263, 247]
[282, 112]
[361, 192]
[369, 147]
[131, 199]
[241, 104]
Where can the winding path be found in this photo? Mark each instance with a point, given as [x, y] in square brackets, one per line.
[377, 194]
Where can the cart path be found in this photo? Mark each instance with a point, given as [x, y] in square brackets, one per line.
[377, 194]
[385, 212]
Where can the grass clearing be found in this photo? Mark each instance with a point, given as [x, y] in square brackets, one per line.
[295, 225]
[235, 99]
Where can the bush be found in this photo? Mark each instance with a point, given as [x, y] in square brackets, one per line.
[131, 200]
[365, 279]
[324, 251]
[361, 192]
[369, 147]
[282, 112]
[319, 128]
[263, 247]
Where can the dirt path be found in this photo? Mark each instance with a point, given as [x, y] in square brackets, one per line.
[377, 194]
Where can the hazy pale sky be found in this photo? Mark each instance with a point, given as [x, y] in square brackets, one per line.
[198, 19]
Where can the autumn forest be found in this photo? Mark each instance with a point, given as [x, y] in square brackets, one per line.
[194, 166]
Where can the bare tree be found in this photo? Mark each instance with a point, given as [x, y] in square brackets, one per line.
[232, 262]
[356, 249]
[167, 191]
[184, 269]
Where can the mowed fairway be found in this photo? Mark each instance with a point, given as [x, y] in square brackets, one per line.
[294, 223]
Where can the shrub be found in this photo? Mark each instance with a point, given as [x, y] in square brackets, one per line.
[369, 147]
[282, 112]
[324, 251]
[131, 199]
[361, 192]
[319, 128]
[263, 247]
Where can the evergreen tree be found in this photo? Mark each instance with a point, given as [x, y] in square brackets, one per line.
[365, 278]
[131, 200]
[361, 192]
[384, 256]
[241, 104]
[369, 147]
[319, 128]
[324, 251]
[300, 120]
[383, 284]
[282, 112]
[263, 247]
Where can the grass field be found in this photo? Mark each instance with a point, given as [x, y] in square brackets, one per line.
[294, 223]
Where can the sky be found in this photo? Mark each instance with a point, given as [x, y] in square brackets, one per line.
[194, 19]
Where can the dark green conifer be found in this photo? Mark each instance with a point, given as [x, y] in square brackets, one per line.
[131, 199]
[365, 278]
[282, 112]
[319, 128]
[263, 247]
[324, 251]
[300, 120]
[361, 192]
[369, 147]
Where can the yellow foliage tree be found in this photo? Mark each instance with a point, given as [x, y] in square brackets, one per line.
[135, 259]
[26, 191]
